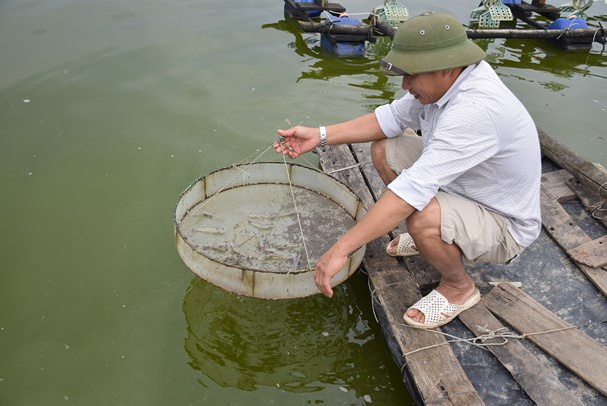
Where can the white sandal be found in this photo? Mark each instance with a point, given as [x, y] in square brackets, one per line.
[438, 311]
[405, 248]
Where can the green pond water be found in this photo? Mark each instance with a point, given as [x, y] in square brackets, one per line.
[108, 111]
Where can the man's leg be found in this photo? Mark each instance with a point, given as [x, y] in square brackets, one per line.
[483, 234]
[391, 155]
[450, 228]
[378, 157]
[455, 283]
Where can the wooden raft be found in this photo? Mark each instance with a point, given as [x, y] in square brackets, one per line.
[579, 180]
[435, 375]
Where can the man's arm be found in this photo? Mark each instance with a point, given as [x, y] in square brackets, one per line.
[389, 211]
[361, 129]
[299, 140]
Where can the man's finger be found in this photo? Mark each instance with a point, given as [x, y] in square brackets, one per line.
[325, 287]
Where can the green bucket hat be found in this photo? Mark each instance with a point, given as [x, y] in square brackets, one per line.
[428, 43]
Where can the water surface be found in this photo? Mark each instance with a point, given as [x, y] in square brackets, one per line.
[108, 110]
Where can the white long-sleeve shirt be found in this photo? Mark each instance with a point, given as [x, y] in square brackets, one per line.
[479, 142]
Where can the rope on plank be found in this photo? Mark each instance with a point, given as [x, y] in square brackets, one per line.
[599, 206]
[481, 341]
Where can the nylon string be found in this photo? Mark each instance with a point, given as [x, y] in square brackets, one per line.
[301, 232]
[242, 172]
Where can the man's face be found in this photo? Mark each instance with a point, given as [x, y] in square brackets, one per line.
[427, 87]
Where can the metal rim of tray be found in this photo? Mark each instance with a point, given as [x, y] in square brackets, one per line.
[251, 281]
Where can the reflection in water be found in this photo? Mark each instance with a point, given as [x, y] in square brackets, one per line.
[298, 345]
[323, 65]
[523, 54]
[540, 55]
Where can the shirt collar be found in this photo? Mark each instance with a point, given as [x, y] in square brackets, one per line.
[447, 96]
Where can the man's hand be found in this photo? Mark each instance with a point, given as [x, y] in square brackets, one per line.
[327, 267]
[387, 213]
[297, 140]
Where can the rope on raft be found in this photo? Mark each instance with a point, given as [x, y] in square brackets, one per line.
[482, 341]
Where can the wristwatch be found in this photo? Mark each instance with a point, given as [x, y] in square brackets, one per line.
[323, 135]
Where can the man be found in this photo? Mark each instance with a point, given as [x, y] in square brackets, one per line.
[467, 188]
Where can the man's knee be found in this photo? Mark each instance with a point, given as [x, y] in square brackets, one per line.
[425, 223]
[378, 154]
[380, 162]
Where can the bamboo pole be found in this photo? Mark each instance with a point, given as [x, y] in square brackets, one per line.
[597, 35]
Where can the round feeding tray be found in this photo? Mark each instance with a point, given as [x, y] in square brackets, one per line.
[258, 229]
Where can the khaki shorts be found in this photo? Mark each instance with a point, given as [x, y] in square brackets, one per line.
[481, 234]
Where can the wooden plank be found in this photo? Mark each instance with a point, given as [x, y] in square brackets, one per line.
[436, 372]
[555, 183]
[559, 223]
[338, 162]
[575, 350]
[563, 187]
[426, 275]
[591, 200]
[555, 178]
[569, 235]
[597, 276]
[539, 380]
[592, 176]
[374, 182]
[362, 153]
[592, 253]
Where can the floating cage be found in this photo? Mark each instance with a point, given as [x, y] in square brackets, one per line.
[393, 12]
[258, 230]
[491, 12]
